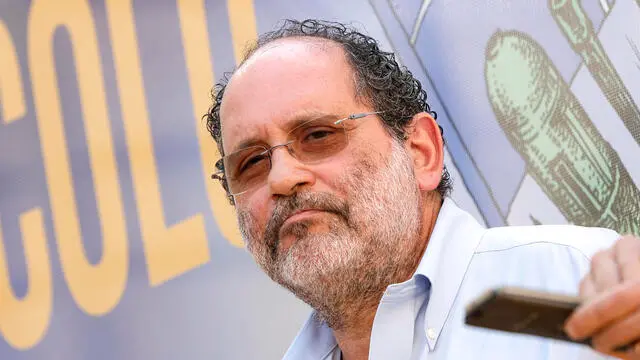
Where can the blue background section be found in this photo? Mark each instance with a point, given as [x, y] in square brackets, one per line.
[228, 309]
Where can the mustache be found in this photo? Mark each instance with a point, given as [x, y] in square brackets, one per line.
[287, 206]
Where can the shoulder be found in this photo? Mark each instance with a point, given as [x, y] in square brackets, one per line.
[550, 258]
[575, 239]
[544, 258]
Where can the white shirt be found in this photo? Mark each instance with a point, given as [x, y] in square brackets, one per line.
[423, 317]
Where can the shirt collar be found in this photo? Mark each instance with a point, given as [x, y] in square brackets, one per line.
[314, 341]
[451, 246]
[452, 243]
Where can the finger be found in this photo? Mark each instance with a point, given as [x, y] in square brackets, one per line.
[604, 270]
[601, 311]
[635, 351]
[631, 352]
[623, 332]
[627, 253]
[587, 287]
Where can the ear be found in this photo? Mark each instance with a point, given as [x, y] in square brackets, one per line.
[425, 146]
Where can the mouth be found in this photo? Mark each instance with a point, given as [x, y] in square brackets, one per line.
[301, 215]
[289, 232]
[295, 218]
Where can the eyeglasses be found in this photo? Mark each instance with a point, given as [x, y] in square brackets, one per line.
[311, 142]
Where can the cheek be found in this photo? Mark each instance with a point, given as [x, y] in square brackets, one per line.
[256, 206]
[330, 176]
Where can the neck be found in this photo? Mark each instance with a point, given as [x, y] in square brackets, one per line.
[354, 336]
[354, 340]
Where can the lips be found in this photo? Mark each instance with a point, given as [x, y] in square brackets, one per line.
[301, 214]
[301, 206]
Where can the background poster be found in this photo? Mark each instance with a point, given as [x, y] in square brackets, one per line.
[114, 243]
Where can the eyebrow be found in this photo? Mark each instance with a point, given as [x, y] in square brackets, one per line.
[288, 126]
[303, 118]
[249, 142]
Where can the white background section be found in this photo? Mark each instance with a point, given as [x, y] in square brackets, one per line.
[460, 194]
[531, 202]
[615, 35]
[621, 26]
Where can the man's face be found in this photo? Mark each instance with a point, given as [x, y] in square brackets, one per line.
[313, 226]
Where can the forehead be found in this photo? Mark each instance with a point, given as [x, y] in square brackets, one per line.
[282, 81]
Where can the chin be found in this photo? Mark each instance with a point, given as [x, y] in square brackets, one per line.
[317, 256]
[302, 238]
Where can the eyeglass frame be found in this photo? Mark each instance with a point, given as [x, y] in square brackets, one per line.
[268, 151]
[219, 165]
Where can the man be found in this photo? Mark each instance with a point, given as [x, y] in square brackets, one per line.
[334, 162]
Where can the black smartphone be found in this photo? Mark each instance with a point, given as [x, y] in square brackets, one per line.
[524, 311]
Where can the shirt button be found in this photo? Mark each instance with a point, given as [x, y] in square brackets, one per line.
[431, 334]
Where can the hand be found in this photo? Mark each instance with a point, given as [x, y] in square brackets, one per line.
[610, 313]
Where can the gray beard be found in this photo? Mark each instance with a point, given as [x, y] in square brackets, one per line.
[371, 242]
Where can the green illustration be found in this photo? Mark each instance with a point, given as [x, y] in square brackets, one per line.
[579, 30]
[564, 152]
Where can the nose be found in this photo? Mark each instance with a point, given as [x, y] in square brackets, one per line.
[287, 174]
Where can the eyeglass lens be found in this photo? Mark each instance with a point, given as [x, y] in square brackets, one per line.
[312, 141]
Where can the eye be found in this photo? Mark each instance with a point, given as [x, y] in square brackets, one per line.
[318, 134]
[251, 161]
